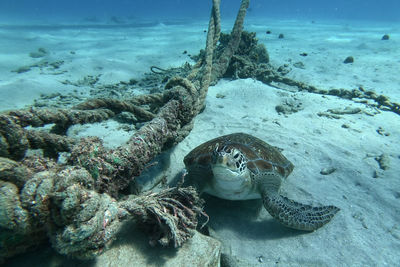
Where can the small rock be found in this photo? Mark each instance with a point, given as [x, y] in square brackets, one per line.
[284, 69]
[42, 50]
[349, 59]
[22, 69]
[383, 161]
[56, 64]
[346, 110]
[386, 37]
[281, 36]
[359, 216]
[260, 259]
[220, 96]
[327, 171]
[280, 109]
[268, 32]
[328, 115]
[381, 131]
[303, 54]
[346, 126]
[299, 65]
[289, 106]
[37, 54]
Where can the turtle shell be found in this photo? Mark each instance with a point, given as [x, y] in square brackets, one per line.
[260, 156]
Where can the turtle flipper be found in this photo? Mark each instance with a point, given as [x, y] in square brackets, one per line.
[296, 215]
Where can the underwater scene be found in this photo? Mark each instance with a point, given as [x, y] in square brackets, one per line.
[226, 133]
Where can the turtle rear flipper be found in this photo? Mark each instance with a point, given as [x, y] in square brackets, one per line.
[296, 215]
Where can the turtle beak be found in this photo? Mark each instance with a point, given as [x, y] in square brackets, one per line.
[225, 175]
[222, 160]
[226, 162]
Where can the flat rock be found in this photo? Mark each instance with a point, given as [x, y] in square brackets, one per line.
[131, 248]
[134, 250]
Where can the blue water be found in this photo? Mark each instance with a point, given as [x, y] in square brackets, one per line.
[20, 11]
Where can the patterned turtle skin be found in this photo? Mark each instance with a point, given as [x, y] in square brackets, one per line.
[240, 166]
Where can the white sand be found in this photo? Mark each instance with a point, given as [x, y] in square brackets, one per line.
[366, 231]
[369, 213]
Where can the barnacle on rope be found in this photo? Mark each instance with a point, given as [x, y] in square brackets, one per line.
[170, 215]
[81, 222]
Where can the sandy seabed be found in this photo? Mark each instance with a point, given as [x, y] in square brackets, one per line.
[366, 232]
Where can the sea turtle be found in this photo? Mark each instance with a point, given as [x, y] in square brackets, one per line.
[240, 166]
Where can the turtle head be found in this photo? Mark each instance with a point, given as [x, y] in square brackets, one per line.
[229, 167]
[232, 178]
[231, 159]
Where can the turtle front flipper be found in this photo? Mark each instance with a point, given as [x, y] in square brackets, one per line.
[296, 215]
